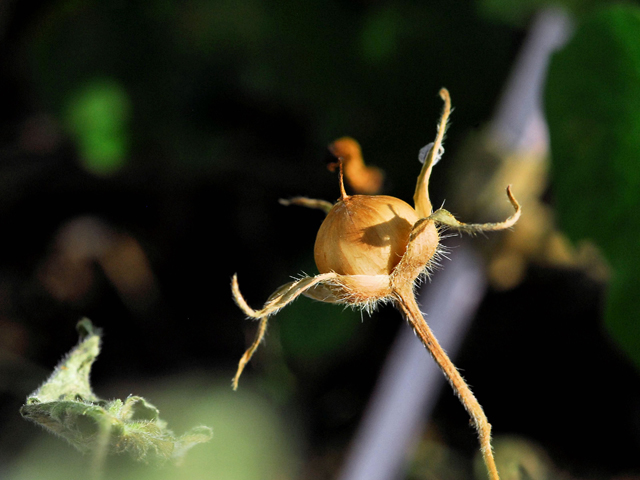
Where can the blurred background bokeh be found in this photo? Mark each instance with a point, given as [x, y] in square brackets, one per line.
[143, 150]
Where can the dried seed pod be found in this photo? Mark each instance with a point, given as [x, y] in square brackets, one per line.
[364, 235]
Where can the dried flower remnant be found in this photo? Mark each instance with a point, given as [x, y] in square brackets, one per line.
[360, 177]
[375, 248]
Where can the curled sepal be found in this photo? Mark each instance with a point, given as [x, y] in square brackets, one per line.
[308, 202]
[444, 217]
[284, 295]
[421, 199]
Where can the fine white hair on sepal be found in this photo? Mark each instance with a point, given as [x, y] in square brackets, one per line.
[424, 152]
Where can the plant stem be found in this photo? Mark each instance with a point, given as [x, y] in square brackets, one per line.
[101, 448]
[406, 302]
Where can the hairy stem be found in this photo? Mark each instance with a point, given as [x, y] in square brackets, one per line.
[405, 300]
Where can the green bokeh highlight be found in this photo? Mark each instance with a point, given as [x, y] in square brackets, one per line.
[97, 116]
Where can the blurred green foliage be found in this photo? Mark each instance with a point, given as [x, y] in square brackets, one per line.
[593, 110]
[97, 117]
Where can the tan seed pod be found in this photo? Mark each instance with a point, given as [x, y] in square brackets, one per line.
[364, 235]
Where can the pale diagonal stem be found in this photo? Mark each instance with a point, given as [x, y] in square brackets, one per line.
[405, 301]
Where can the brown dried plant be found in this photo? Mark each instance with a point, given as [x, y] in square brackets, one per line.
[362, 178]
[374, 249]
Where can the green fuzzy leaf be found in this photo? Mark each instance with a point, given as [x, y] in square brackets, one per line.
[593, 110]
[66, 405]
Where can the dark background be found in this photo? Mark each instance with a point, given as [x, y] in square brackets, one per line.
[227, 106]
